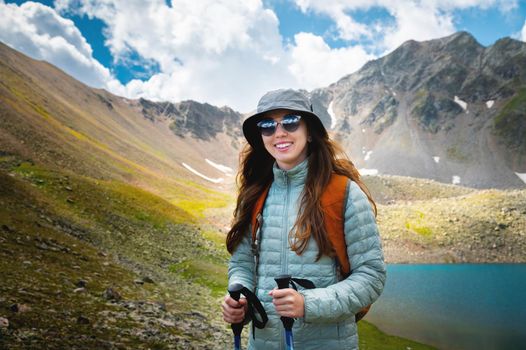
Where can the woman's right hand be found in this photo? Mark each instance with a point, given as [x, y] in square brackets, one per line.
[234, 311]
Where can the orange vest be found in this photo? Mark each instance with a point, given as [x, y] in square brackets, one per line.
[333, 206]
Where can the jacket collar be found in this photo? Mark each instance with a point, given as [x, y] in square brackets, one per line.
[295, 176]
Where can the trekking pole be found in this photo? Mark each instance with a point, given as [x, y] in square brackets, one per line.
[283, 282]
[235, 293]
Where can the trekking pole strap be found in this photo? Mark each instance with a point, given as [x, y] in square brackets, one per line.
[305, 283]
[255, 310]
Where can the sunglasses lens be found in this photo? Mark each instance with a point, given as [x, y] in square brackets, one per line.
[291, 123]
[267, 127]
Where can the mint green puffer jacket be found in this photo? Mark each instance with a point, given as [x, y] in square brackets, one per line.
[330, 307]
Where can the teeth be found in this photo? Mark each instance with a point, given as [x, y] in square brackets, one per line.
[283, 145]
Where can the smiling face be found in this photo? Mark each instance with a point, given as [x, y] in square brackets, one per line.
[287, 148]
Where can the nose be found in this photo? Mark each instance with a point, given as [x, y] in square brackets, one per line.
[280, 130]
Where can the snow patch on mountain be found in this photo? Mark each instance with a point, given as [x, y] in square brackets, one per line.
[333, 116]
[522, 176]
[188, 167]
[223, 168]
[461, 103]
[364, 171]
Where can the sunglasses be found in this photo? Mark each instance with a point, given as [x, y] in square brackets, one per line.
[290, 123]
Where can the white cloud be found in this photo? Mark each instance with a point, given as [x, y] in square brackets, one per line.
[41, 33]
[184, 30]
[413, 19]
[523, 32]
[503, 6]
[416, 21]
[315, 64]
[238, 78]
[348, 28]
[222, 52]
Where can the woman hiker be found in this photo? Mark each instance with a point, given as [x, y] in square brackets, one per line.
[290, 154]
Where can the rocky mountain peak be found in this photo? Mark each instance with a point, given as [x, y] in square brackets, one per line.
[442, 89]
[200, 120]
[457, 39]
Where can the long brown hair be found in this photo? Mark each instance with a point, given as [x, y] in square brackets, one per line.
[255, 174]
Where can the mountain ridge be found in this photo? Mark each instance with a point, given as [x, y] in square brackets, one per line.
[58, 113]
[201, 120]
[437, 101]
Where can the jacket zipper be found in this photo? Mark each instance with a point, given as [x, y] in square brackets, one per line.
[285, 241]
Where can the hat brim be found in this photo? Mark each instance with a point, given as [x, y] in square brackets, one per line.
[253, 135]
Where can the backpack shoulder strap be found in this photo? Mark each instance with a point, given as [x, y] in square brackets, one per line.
[257, 212]
[333, 204]
[256, 221]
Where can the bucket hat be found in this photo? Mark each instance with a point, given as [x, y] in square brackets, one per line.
[290, 99]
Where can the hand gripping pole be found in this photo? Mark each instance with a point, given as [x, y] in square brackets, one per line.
[253, 307]
[235, 293]
[284, 281]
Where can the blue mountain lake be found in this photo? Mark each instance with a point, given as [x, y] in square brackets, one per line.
[455, 306]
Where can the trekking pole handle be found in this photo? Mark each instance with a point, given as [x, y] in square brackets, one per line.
[235, 293]
[283, 281]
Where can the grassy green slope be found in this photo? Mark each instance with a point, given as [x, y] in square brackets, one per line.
[371, 338]
[48, 118]
[58, 229]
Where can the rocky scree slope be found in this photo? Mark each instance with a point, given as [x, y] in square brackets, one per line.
[97, 265]
[424, 221]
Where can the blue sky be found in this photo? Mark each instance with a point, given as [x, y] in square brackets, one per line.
[231, 52]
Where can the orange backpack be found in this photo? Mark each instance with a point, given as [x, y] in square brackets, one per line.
[333, 206]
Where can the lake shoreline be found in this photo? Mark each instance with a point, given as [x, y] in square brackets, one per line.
[372, 337]
[408, 252]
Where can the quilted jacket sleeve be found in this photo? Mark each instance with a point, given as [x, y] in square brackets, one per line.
[366, 281]
[241, 266]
